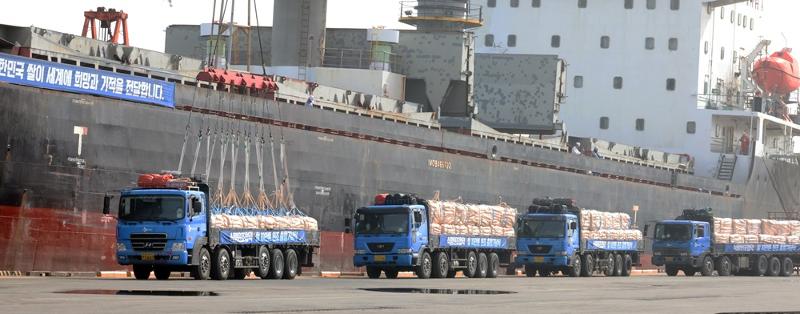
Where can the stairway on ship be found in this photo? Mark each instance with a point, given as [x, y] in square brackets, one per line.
[727, 164]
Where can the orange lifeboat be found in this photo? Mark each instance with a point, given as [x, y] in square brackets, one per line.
[777, 74]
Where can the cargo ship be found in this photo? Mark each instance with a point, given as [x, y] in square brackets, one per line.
[339, 115]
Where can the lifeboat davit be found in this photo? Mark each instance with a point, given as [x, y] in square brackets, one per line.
[777, 74]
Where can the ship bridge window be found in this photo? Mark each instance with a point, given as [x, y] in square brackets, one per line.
[651, 4]
[604, 123]
[691, 127]
[721, 13]
[605, 42]
[640, 124]
[673, 44]
[491, 3]
[705, 48]
[488, 40]
[511, 41]
[733, 16]
[675, 5]
[629, 4]
[578, 81]
[722, 53]
[752, 21]
[744, 22]
[670, 84]
[618, 82]
[649, 43]
[555, 41]
[582, 3]
[739, 19]
[536, 3]
[514, 3]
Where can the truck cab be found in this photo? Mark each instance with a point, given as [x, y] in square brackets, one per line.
[681, 244]
[390, 238]
[547, 239]
[159, 229]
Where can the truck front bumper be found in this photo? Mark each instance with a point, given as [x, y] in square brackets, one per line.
[674, 260]
[549, 260]
[384, 260]
[153, 258]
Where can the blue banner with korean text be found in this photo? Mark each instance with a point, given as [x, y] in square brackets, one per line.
[611, 245]
[70, 78]
[262, 237]
[473, 242]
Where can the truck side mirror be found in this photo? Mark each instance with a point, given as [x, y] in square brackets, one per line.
[197, 206]
[573, 225]
[644, 232]
[107, 204]
[347, 223]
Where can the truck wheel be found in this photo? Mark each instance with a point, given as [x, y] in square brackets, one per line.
[617, 265]
[472, 265]
[483, 266]
[494, 265]
[787, 267]
[440, 265]
[203, 269]
[263, 262]
[425, 266]
[609, 270]
[689, 271]
[530, 271]
[291, 264]
[724, 266]
[707, 268]
[588, 266]
[240, 273]
[162, 273]
[761, 267]
[576, 268]
[774, 267]
[276, 267]
[373, 272]
[627, 265]
[142, 272]
[220, 264]
[671, 270]
[391, 273]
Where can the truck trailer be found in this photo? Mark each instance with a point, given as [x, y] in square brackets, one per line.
[432, 238]
[164, 229]
[698, 242]
[555, 235]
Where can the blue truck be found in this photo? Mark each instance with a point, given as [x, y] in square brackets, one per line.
[550, 239]
[686, 244]
[162, 230]
[395, 236]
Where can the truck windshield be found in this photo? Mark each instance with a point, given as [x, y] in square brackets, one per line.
[377, 223]
[673, 232]
[542, 229]
[162, 207]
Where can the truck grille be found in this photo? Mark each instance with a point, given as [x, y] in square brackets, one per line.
[148, 241]
[380, 247]
[671, 251]
[539, 249]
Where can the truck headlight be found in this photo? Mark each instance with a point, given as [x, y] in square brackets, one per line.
[121, 247]
[561, 253]
[360, 252]
[403, 251]
[657, 253]
[178, 246]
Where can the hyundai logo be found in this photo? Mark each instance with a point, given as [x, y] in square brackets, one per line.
[148, 245]
[144, 229]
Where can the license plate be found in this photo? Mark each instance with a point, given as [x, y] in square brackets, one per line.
[148, 257]
[669, 259]
[380, 258]
[538, 259]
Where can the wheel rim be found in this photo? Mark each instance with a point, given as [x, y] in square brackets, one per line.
[472, 263]
[443, 265]
[264, 261]
[427, 265]
[224, 263]
[205, 264]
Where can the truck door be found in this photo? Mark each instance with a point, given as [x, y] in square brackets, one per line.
[196, 226]
[419, 230]
[702, 239]
[573, 236]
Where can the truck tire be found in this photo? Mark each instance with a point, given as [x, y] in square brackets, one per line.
[202, 271]
[671, 270]
[263, 262]
[707, 267]
[276, 267]
[724, 266]
[391, 273]
[689, 271]
[161, 273]
[239, 273]
[588, 266]
[290, 264]
[220, 264]
[787, 267]
[494, 265]
[609, 270]
[627, 265]
[441, 265]
[576, 268]
[617, 265]
[425, 266]
[373, 272]
[761, 266]
[142, 272]
[530, 271]
[774, 268]
[483, 266]
[472, 265]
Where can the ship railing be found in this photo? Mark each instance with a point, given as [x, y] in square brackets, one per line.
[465, 12]
[361, 59]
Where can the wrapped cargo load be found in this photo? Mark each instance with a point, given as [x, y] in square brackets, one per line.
[739, 226]
[753, 226]
[263, 221]
[597, 225]
[454, 218]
